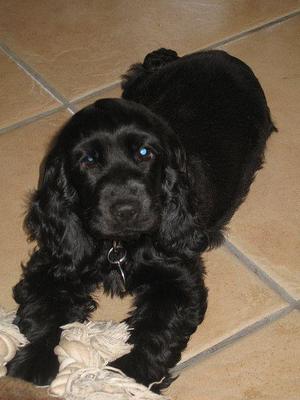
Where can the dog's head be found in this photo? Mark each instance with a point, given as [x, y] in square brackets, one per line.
[116, 171]
[116, 156]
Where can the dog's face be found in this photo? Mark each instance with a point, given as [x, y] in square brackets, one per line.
[118, 175]
[115, 154]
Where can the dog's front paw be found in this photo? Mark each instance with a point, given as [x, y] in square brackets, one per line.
[145, 371]
[34, 363]
[128, 365]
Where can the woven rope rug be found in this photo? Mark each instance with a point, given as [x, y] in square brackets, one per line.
[84, 352]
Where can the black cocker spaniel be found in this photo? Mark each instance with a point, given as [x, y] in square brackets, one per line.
[132, 191]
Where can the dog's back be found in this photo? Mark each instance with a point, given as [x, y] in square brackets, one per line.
[217, 107]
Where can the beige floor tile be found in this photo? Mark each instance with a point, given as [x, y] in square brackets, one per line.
[20, 96]
[79, 46]
[267, 226]
[115, 92]
[262, 366]
[237, 298]
[21, 152]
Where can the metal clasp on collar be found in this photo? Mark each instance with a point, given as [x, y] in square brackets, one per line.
[117, 256]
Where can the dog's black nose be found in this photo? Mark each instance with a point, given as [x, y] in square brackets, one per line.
[125, 211]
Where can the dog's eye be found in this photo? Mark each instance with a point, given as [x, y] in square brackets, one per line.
[88, 161]
[144, 154]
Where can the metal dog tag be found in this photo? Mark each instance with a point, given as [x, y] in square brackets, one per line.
[116, 256]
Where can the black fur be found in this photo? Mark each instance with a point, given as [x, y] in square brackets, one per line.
[204, 122]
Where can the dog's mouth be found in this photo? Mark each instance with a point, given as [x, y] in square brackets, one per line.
[128, 234]
[124, 235]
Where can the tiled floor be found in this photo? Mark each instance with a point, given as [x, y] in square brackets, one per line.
[57, 56]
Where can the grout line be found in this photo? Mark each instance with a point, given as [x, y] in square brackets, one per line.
[232, 339]
[262, 275]
[71, 109]
[211, 46]
[250, 31]
[97, 92]
[71, 106]
[41, 82]
[30, 120]
[33, 74]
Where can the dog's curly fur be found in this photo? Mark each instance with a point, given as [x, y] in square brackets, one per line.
[162, 170]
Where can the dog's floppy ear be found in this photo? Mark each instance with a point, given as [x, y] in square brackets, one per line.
[181, 230]
[51, 219]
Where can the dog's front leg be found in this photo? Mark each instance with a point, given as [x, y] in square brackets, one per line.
[46, 304]
[167, 312]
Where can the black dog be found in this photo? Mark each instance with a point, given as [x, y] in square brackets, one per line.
[132, 191]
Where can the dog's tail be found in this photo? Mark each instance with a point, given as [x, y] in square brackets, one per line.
[152, 62]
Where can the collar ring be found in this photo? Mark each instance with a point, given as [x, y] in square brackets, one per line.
[117, 255]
